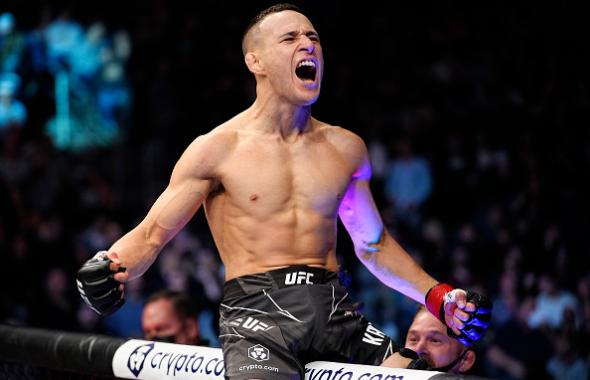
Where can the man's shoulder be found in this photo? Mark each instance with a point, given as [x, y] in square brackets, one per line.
[210, 149]
[339, 134]
[344, 139]
[220, 137]
[228, 132]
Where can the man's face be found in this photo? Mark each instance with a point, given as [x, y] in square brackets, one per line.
[428, 337]
[291, 54]
[159, 320]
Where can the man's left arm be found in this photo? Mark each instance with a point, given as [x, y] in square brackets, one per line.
[466, 313]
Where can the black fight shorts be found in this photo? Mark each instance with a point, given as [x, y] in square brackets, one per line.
[273, 323]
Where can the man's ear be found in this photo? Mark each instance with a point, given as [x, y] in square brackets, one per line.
[253, 63]
[467, 362]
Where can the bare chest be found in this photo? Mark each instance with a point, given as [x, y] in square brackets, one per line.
[271, 177]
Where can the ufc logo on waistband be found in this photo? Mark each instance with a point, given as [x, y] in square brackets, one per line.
[298, 278]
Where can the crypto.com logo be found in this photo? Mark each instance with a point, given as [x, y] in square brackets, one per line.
[137, 358]
[258, 353]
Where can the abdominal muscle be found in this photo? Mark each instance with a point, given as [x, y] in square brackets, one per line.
[250, 243]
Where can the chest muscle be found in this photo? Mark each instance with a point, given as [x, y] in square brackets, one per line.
[269, 178]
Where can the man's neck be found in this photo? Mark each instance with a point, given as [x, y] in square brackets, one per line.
[280, 117]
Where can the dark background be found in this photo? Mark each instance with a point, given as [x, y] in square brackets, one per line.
[494, 96]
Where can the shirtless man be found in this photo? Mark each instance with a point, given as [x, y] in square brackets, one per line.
[273, 181]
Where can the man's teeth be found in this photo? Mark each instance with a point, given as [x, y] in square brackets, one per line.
[306, 63]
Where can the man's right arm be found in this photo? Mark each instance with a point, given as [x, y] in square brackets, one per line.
[138, 249]
[193, 177]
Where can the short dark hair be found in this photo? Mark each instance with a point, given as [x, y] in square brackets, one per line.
[183, 306]
[266, 12]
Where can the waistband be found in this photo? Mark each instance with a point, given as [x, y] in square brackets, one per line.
[279, 278]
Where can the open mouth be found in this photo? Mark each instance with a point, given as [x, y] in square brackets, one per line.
[306, 70]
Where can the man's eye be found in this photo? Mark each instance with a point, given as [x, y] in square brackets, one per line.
[288, 39]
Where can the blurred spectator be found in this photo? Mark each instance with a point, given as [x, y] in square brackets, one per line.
[567, 363]
[428, 337]
[12, 44]
[170, 316]
[86, 60]
[551, 304]
[175, 264]
[126, 322]
[583, 293]
[209, 274]
[13, 113]
[92, 93]
[55, 307]
[64, 38]
[114, 95]
[506, 301]
[88, 320]
[101, 233]
[186, 266]
[408, 184]
[377, 303]
[378, 155]
[516, 351]
[14, 170]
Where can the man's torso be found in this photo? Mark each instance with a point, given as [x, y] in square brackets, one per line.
[276, 202]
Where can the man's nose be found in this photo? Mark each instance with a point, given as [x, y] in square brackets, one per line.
[420, 347]
[307, 44]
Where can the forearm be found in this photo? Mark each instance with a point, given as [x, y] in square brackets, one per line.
[375, 247]
[393, 266]
[138, 249]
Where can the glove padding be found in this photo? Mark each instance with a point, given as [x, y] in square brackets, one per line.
[478, 321]
[97, 287]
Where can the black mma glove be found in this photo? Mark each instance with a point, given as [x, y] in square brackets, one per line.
[478, 323]
[97, 287]
[479, 319]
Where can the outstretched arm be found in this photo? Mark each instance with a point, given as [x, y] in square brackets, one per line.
[190, 183]
[100, 279]
[467, 314]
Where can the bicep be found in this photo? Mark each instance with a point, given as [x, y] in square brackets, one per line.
[190, 183]
[359, 214]
[174, 208]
